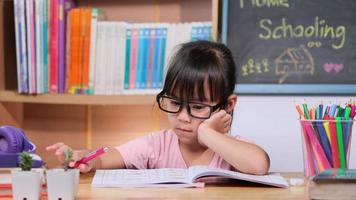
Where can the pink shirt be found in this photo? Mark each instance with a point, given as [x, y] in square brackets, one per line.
[159, 150]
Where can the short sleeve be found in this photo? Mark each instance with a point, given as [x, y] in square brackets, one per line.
[136, 153]
[156, 150]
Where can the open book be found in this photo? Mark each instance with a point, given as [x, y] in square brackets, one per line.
[174, 177]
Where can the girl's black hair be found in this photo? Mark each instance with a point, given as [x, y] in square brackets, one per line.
[199, 64]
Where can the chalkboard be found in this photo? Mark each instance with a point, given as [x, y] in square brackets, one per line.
[292, 46]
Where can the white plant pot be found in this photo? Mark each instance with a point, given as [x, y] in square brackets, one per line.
[62, 184]
[26, 184]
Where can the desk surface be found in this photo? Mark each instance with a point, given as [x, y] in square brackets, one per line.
[230, 191]
[221, 191]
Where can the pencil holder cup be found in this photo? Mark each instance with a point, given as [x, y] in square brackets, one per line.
[326, 144]
[62, 184]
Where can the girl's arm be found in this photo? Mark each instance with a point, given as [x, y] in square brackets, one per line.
[111, 159]
[243, 156]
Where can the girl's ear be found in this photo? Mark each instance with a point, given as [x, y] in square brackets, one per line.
[231, 102]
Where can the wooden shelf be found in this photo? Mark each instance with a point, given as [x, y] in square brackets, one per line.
[124, 99]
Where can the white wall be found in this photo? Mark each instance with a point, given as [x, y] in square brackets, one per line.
[272, 123]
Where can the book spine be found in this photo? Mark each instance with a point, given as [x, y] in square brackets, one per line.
[99, 87]
[45, 40]
[54, 28]
[208, 31]
[133, 58]
[61, 47]
[73, 49]
[186, 30]
[92, 57]
[80, 52]
[121, 48]
[156, 58]
[18, 45]
[68, 47]
[127, 57]
[76, 50]
[30, 23]
[111, 56]
[139, 66]
[171, 41]
[150, 56]
[19, 12]
[115, 73]
[39, 41]
[200, 32]
[162, 56]
[86, 48]
[145, 54]
[194, 36]
[24, 52]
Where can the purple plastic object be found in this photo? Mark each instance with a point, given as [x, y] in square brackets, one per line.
[12, 142]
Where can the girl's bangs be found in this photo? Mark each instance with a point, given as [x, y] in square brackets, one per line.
[194, 84]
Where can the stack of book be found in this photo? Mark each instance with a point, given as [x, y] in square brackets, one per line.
[338, 184]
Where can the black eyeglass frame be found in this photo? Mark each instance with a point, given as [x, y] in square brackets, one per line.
[186, 105]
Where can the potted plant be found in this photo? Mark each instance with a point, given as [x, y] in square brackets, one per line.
[26, 183]
[62, 183]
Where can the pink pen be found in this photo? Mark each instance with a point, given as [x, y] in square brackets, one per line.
[90, 156]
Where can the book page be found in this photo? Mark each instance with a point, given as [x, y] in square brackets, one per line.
[276, 180]
[5, 178]
[127, 177]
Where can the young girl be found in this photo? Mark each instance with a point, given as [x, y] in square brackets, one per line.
[198, 99]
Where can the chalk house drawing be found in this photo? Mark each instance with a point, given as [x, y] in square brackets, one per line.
[294, 61]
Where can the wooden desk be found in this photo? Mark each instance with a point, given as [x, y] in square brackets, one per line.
[221, 191]
[231, 191]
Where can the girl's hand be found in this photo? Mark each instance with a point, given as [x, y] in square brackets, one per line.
[219, 122]
[59, 149]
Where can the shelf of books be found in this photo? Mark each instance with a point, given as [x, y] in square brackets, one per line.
[84, 52]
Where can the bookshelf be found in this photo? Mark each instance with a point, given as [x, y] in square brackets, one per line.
[89, 121]
[128, 99]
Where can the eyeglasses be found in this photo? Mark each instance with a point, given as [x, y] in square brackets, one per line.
[195, 109]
